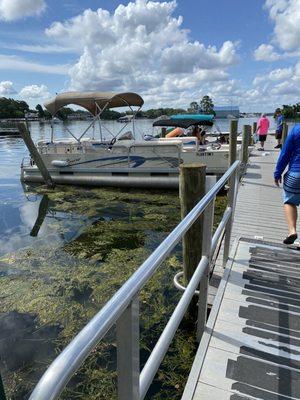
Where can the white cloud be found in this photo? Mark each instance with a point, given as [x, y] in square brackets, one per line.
[19, 64]
[286, 16]
[286, 88]
[11, 10]
[279, 86]
[266, 52]
[281, 74]
[258, 80]
[35, 92]
[40, 49]
[188, 57]
[6, 88]
[141, 47]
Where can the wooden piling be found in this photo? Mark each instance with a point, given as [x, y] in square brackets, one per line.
[246, 136]
[232, 141]
[284, 132]
[191, 190]
[35, 154]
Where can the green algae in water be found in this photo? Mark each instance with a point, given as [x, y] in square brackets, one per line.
[106, 234]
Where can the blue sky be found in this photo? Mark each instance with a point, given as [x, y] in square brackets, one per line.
[172, 53]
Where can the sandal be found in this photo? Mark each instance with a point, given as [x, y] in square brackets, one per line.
[290, 239]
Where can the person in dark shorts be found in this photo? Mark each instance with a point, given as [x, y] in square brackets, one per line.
[279, 125]
[290, 156]
[262, 130]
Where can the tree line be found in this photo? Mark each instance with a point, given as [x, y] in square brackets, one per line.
[10, 108]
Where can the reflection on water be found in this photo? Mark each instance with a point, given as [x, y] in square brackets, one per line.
[80, 246]
[63, 253]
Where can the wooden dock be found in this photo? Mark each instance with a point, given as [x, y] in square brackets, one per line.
[251, 345]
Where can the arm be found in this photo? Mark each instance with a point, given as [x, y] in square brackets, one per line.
[285, 156]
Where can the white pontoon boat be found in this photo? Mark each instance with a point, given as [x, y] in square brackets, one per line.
[121, 161]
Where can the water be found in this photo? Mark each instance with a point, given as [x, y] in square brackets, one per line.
[63, 253]
[19, 209]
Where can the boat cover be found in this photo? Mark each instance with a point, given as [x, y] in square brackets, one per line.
[182, 123]
[203, 117]
[90, 100]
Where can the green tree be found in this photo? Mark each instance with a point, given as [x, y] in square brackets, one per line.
[194, 107]
[10, 108]
[290, 111]
[207, 105]
[64, 112]
[40, 111]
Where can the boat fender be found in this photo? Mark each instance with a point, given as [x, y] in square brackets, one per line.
[59, 163]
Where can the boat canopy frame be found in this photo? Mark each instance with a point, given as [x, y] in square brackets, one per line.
[96, 103]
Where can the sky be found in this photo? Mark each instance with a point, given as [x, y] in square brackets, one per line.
[244, 53]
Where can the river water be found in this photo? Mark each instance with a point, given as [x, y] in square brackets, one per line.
[18, 209]
[63, 253]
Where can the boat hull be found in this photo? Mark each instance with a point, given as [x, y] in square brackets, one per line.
[147, 165]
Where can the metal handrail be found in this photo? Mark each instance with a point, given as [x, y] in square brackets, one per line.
[68, 362]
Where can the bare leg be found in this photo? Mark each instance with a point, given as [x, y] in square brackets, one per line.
[291, 215]
[262, 144]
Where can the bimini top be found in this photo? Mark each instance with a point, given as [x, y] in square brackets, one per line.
[202, 117]
[182, 123]
[90, 100]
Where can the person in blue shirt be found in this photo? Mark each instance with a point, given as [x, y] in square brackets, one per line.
[290, 156]
[279, 125]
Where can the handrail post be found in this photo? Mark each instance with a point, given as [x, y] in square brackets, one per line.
[232, 141]
[245, 144]
[208, 221]
[233, 182]
[128, 352]
[284, 132]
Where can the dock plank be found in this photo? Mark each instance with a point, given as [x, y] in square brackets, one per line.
[253, 338]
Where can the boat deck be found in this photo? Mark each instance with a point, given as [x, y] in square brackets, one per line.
[251, 346]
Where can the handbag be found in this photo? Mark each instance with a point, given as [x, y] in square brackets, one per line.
[255, 137]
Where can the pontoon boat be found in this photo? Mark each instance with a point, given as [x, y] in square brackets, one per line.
[123, 161]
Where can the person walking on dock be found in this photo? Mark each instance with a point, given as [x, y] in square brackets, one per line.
[290, 156]
[279, 126]
[262, 130]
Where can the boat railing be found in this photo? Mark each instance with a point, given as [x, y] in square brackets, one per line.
[26, 162]
[123, 308]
